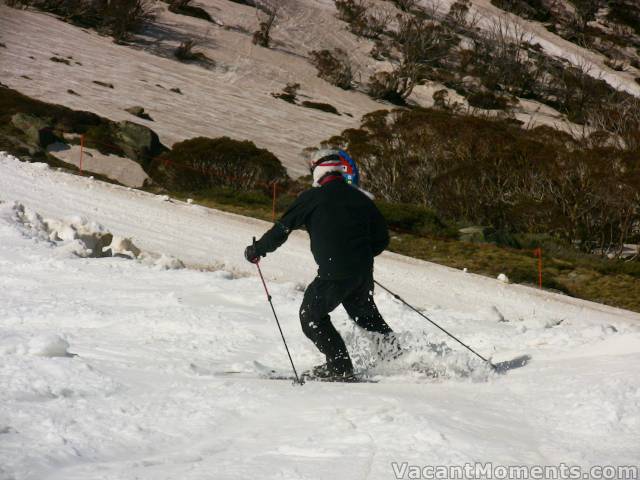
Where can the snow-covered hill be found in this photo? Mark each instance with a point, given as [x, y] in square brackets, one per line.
[111, 369]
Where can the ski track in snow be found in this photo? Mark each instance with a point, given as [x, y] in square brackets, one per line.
[110, 369]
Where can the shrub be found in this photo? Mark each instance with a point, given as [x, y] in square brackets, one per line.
[201, 163]
[183, 7]
[123, 17]
[325, 107]
[184, 52]
[60, 60]
[490, 172]
[119, 18]
[267, 20]
[334, 67]
[289, 93]
[393, 87]
[488, 100]
[405, 5]
[411, 218]
[351, 11]
[458, 12]
[363, 21]
[626, 13]
[530, 9]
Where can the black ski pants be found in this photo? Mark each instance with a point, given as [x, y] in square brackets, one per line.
[322, 297]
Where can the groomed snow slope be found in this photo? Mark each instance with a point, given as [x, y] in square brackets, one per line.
[113, 370]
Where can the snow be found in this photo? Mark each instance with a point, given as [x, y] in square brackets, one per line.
[592, 63]
[121, 169]
[114, 369]
[233, 99]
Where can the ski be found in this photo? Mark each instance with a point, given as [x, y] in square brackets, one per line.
[264, 372]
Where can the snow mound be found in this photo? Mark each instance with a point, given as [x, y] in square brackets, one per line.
[78, 236]
[43, 345]
[49, 346]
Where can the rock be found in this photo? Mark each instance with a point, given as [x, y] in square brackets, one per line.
[480, 234]
[138, 112]
[503, 278]
[137, 141]
[477, 234]
[39, 131]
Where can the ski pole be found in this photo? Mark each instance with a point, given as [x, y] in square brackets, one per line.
[286, 347]
[398, 297]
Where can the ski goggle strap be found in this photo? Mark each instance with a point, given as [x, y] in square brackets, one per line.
[333, 160]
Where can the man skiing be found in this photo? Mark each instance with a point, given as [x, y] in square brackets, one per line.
[347, 231]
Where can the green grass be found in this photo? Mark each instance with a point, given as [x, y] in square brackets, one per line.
[611, 282]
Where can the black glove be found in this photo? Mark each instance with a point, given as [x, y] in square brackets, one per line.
[251, 254]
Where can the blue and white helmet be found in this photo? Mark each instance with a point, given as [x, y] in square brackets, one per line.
[328, 160]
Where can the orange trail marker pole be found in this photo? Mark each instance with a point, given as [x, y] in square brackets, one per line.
[81, 150]
[538, 253]
[273, 213]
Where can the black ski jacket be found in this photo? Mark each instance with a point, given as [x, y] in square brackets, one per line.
[346, 228]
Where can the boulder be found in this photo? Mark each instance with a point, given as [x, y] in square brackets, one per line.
[38, 131]
[137, 141]
[477, 234]
[480, 234]
[138, 112]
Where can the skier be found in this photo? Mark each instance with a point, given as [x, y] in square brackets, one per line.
[347, 231]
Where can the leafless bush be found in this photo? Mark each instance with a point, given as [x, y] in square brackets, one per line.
[459, 11]
[619, 119]
[184, 7]
[502, 60]
[423, 42]
[405, 5]
[267, 16]
[395, 86]
[333, 66]
[119, 18]
[363, 20]
[289, 93]
[185, 53]
[617, 64]
[123, 17]
[351, 11]
[585, 12]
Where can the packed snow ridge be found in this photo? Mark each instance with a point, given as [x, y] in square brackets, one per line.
[78, 236]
